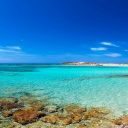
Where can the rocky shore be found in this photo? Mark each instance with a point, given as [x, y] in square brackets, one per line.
[31, 112]
[94, 64]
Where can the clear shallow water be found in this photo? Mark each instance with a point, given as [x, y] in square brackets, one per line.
[83, 85]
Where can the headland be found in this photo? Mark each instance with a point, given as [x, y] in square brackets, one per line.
[94, 64]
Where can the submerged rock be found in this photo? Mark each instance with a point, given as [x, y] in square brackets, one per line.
[57, 119]
[37, 107]
[51, 108]
[26, 100]
[120, 126]
[7, 101]
[38, 124]
[122, 120]
[16, 105]
[76, 117]
[64, 120]
[95, 113]
[75, 109]
[7, 113]
[53, 118]
[14, 125]
[27, 116]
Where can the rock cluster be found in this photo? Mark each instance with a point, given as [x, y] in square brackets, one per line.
[27, 116]
[29, 112]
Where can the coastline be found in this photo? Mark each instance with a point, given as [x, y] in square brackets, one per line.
[93, 64]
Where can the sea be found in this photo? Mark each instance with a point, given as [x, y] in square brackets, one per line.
[89, 86]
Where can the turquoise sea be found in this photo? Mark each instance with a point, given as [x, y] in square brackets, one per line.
[68, 84]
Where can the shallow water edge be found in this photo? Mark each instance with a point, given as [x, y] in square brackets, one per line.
[29, 111]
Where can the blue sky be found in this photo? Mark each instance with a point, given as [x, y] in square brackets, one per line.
[54, 31]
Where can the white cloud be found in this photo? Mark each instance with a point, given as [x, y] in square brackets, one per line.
[113, 55]
[109, 44]
[16, 54]
[10, 49]
[14, 47]
[4, 50]
[99, 49]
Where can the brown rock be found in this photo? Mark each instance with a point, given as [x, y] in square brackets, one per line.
[81, 125]
[94, 112]
[7, 113]
[76, 118]
[64, 120]
[75, 109]
[27, 116]
[37, 107]
[51, 118]
[6, 101]
[88, 115]
[117, 121]
[7, 107]
[57, 119]
[122, 120]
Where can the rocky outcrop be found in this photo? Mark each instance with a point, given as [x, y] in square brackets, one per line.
[27, 116]
[27, 112]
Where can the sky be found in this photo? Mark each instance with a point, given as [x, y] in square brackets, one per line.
[55, 31]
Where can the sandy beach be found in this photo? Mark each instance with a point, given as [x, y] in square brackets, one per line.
[93, 64]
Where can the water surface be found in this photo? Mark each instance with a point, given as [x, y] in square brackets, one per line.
[84, 85]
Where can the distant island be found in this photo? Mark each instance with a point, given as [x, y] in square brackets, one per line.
[94, 64]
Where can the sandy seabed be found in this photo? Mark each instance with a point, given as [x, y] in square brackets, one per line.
[28, 111]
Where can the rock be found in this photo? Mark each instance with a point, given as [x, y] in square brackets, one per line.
[121, 120]
[75, 109]
[98, 123]
[76, 118]
[88, 115]
[7, 107]
[7, 113]
[51, 118]
[95, 113]
[120, 126]
[31, 100]
[80, 125]
[38, 124]
[57, 119]
[37, 107]
[14, 125]
[27, 116]
[51, 108]
[6, 101]
[64, 120]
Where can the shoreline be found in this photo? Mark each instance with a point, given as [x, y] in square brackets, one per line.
[93, 64]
